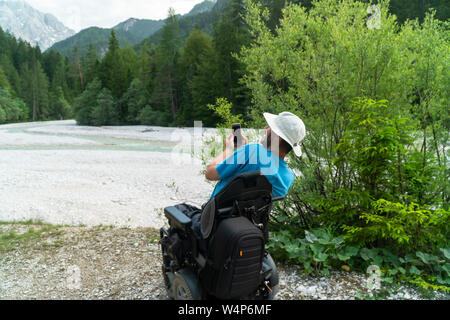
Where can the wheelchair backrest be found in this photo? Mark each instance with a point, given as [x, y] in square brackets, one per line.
[248, 195]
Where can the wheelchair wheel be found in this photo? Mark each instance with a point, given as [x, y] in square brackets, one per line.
[274, 280]
[186, 286]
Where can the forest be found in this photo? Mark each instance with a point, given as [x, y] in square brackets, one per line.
[168, 80]
[374, 185]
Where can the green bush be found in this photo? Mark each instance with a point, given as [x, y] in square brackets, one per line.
[318, 251]
[12, 109]
[401, 227]
[321, 250]
[151, 117]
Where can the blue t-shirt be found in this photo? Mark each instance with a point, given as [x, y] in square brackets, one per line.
[254, 157]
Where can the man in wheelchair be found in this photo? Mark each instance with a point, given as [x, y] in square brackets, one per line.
[218, 251]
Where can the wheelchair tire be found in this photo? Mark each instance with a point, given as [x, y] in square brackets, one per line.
[186, 286]
[274, 279]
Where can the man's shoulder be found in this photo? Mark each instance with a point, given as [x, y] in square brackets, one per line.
[291, 176]
[253, 146]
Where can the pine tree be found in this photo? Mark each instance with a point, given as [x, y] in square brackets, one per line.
[165, 93]
[60, 108]
[90, 64]
[86, 103]
[105, 111]
[134, 100]
[35, 89]
[199, 83]
[76, 72]
[4, 83]
[230, 34]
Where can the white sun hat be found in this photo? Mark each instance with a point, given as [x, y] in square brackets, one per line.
[289, 127]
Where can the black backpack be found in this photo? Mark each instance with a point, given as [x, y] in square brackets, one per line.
[234, 261]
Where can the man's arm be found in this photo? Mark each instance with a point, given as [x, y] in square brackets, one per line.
[211, 172]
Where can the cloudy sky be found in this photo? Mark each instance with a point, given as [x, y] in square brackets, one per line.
[80, 14]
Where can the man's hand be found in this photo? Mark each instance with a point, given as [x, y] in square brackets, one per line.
[211, 172]
[229, 144]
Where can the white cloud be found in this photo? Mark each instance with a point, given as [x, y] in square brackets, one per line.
[81, 14]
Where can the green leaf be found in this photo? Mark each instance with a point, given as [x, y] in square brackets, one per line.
[347, 253]
[292, 250]
[446, 268]
[441, 280]
[307, 265]
[325, 272]
[414, 270]
[321, 257]
[387, 279]
[423, 256]
[393, 272]
[410, 258]
[310, 237]
[364, 253]
[446, 252]
[316, 248]
[338, 241]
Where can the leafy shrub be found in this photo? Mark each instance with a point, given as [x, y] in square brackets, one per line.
[321, 250]
[401, 227]
[318, 251]
[150, 116]
[11, 108]
[223, 109]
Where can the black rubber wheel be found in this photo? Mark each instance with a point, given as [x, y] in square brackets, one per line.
[186, 286]
[274, 280]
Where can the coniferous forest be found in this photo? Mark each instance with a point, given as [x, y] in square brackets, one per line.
[168, 79]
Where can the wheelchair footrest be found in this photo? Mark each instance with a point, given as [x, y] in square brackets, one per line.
[177, 218]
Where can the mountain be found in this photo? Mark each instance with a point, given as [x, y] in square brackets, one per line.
[203, 16]
[139, 29]
[204, 6]
[131, 32]
[37, 28]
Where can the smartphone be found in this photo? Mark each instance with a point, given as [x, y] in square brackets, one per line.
[237, 135]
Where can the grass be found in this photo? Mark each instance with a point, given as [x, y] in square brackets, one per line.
[31, 233]
[25, 233]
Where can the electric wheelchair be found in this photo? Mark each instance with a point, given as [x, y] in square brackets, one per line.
[218, 251]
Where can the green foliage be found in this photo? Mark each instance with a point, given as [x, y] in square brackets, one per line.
[11, 109]
[134, 101]
[151, 117]
[86, 103]
[223, 109]
[4, 83]
[375, 168]
[197, 63]
[59, 105]
[401, 228]
[321, 250]
[105, 111]
[113, 71]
